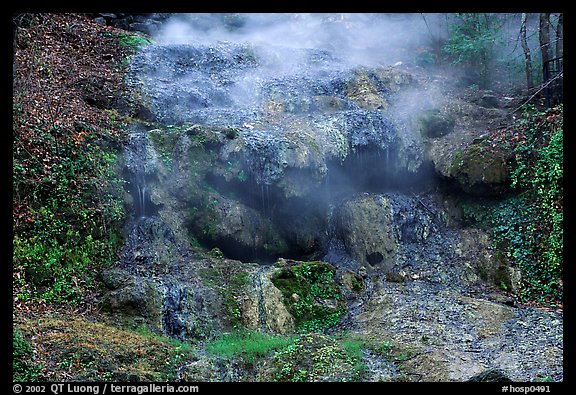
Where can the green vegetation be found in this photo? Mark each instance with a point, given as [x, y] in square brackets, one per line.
[528, 226]
[311, 294]
[23, 367]
[308, 357]
[472, 42]
[250, 346]
[230, 284]
[315, 357]
[69, 212]
[164, 141]
[132, 41]
[318, 357]
[77, 349]
[67, 194]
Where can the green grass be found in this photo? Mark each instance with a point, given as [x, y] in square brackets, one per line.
[131, 40]
[248, 345]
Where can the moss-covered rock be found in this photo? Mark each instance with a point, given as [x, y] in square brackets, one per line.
[310, 293]
[179, 309]
[353, 282]
[369, 88]
[363, 89]
[434, 123]
[480, 170]
[264, 307]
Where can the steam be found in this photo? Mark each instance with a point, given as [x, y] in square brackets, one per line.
[315, 120]
[305, 51]
[357, 39]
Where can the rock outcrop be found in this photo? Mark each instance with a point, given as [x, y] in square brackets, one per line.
[288, 199]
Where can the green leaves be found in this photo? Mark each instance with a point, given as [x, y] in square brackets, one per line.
[528, 227]
[70, 216]
[539, 173]
[23, 368]
[472, 41]
[311, 294]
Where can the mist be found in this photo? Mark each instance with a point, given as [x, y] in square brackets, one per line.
[355, 38]
[298, 51]
[322, 107]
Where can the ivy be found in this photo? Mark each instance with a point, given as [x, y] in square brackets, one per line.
[68, 212]
[539, 175]
[528, 226]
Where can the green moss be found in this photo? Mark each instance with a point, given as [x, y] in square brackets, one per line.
[357, 285]
[311, 294]
[456, 162]
[435, 124]
[230, 283]
[363, 89]
[479, 168]
[231, 133]
[164, 141]
[316, 357]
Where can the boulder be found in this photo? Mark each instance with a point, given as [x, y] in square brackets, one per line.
[366, 226]
[480, 170]
[265, 308]
[434, 123]
[166, 306]
[491, 375]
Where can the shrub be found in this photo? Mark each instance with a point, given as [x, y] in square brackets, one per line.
[22, 366]
[307, 287]
[68, 212]
[472, 42]
[528, 226]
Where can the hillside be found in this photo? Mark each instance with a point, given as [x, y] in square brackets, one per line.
[346, 232]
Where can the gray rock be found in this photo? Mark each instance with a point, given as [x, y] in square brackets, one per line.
[489, 101]
[491, 375]
[436, 124]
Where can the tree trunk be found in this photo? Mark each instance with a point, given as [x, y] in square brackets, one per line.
[560, 36]
[527, 56]
[545, 37]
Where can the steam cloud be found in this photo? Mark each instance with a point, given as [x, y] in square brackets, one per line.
[359, 39]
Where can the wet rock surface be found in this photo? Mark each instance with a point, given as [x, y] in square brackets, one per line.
[459, 333]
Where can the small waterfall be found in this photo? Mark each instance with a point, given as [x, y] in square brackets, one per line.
[137, 159]
[141, 202]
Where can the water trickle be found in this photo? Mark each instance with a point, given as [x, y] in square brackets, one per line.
[261, 306]
[143, 197]
[173, 318]
[138, 164]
